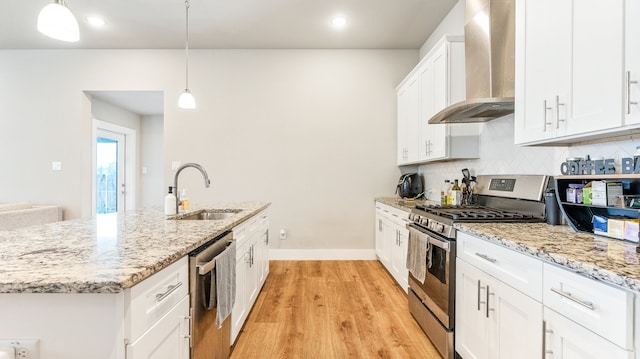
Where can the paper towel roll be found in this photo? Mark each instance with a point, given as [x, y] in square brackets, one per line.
[7, 353]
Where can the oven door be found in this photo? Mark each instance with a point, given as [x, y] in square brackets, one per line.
[436, 293]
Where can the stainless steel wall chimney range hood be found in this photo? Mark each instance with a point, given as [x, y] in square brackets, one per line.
[489, 45]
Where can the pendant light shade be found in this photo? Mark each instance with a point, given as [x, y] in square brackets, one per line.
[186, 100]
[57, 21]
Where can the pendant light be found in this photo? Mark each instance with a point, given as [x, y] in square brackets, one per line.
[186, 100]
[56, 20]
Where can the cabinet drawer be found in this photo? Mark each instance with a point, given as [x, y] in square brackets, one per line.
[155, 296]
[517, 270]
[397, 216]
[244, 230]
[600, 307]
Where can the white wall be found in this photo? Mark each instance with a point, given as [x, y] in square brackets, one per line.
[452, 24]
[311, 131]
[152, 188]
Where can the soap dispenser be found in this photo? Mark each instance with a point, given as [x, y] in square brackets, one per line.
[170, 203]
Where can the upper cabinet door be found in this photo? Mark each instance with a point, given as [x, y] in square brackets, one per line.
[569, 70]
[597, 63]
[632, 62]
[408, 125]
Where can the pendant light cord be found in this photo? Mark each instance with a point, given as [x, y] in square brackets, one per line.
[186, 4]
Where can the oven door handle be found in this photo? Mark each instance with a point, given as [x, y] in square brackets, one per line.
[439, 244]
[430, 239]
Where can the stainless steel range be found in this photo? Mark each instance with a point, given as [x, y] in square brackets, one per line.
[497, 198]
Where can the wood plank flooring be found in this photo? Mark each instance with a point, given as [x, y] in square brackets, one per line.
[331, 309]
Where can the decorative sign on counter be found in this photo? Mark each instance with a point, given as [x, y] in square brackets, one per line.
[579, 166]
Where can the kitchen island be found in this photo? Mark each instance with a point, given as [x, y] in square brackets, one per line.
[69, 284]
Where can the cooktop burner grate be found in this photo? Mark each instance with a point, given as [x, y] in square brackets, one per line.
[474, 213]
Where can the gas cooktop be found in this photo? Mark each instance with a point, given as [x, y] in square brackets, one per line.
[476, 213]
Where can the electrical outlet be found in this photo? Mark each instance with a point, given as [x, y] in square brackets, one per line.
[283, 234]
[24, 348]
[22, 353]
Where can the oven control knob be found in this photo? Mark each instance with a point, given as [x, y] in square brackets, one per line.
[440, 228]
[424, 221]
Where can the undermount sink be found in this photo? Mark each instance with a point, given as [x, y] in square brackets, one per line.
[211, 214]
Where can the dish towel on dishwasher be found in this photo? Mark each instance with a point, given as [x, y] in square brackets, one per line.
[225, 283]
[417, 252]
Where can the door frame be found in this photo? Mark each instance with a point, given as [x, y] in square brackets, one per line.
[129, 161]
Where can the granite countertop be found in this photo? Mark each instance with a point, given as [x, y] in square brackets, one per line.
[403, 204]
[598, 257]
[106, 253]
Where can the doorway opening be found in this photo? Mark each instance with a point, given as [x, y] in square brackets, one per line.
[114, 168]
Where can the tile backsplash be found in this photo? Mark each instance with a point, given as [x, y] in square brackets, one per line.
[499, 155]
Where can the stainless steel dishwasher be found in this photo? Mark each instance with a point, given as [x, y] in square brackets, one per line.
[207, 341]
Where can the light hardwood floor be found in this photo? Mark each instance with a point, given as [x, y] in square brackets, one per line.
[331, 309]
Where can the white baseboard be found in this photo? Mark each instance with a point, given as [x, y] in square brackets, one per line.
[322, 254]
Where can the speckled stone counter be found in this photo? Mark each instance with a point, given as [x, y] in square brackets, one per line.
[403, 204]
[601, 258]
[610, 260]
[107, 253]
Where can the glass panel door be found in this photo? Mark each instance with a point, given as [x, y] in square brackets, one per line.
[110, 172]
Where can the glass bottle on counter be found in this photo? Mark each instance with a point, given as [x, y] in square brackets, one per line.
[456, 195]
[444, 194]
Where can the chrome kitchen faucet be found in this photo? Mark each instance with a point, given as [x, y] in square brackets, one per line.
[175, 179]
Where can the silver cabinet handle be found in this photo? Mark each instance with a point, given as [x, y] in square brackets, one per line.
[170, 289]
[558, 104]
[546, 108]
[487, 305]
[486, 257]
[629, 83]
[574, 299]
[479, 295]
[188, 335]
[545, 331]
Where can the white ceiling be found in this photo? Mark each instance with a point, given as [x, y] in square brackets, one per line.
[231, 24]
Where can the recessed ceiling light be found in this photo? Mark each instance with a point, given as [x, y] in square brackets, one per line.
[95, 21]
[339, 22]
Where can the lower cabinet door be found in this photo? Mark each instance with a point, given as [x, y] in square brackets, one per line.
[168, 338]
[564, 339]
[494, 320]
[472, 326]
[515, 323]
[240, 311]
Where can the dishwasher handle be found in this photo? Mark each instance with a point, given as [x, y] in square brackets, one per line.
[204, 268]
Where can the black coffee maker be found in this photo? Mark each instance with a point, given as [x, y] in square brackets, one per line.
[410, 186]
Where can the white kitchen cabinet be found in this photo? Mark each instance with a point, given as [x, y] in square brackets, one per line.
[159, 328]
[602, 309]
[262, 248]
[381, 251]
[251, 240]
[435, 83]
[167, 338]
[392, 237]
[408, 121]
[632, 62]
[489, 312]
[564, 339]
[569, 70]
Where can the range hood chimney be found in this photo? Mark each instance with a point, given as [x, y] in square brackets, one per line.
[489, 45]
